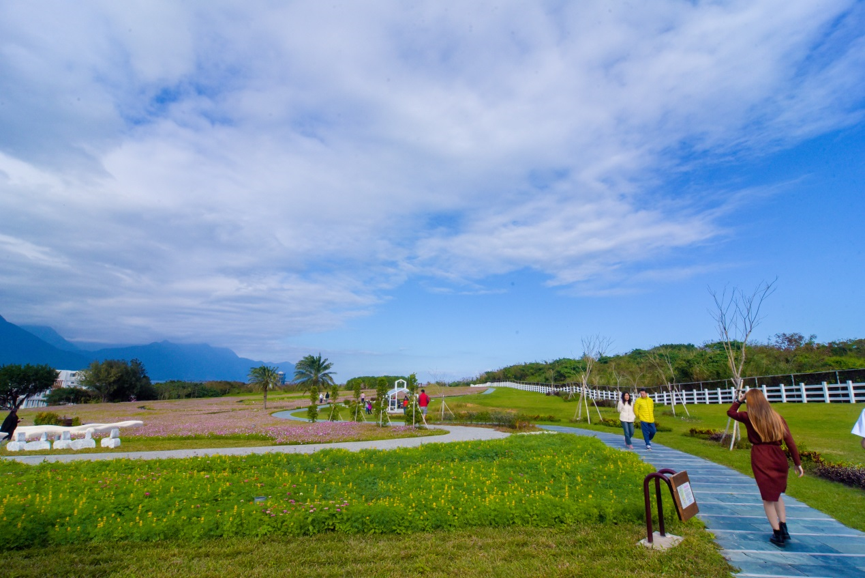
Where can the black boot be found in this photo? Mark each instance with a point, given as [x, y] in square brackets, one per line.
[784, 531]
[777, 538]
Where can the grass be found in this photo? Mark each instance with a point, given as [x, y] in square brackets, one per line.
[593, 550]
[556, 481]
[824, 428]
[345, 414]
[585, 548]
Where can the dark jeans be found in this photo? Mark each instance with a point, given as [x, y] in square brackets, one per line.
[628, 426]
[649, 431]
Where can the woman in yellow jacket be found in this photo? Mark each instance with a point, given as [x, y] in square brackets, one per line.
[644, 410]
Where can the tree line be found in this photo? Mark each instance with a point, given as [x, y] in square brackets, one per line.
[784, 354]
[115, 380]
[111, 380]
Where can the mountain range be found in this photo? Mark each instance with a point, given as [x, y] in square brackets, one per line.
[163, 360]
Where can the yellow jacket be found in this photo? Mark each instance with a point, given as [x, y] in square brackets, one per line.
[644, 409]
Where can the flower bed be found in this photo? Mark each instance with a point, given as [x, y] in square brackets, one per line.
[523, 480]
[228, 418]
[509, 419]
[284, 433]
[847, 474]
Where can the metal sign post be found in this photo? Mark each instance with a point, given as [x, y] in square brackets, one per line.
[683, 500]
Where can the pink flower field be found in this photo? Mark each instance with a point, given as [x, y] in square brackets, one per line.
[284, 432]
[229, 417]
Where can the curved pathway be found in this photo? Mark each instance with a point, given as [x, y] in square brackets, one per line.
[455, 434]
[731, 508]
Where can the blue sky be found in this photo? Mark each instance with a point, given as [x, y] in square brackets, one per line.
[435, 187]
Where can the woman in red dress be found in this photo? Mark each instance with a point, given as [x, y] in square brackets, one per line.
[766, 431]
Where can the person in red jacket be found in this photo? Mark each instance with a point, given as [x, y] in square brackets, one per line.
[423, 402]
[766, 431]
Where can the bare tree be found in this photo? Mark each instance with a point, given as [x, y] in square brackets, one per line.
[594, 347]
[660, 359]
[634, 372]
[618, 376]
[736, 315]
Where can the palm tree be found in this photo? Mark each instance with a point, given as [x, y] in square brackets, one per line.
[313, 372]
[264, 378]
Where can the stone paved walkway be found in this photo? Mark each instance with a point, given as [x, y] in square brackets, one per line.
[731, 508]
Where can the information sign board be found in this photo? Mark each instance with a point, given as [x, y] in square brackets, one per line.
[683, 495]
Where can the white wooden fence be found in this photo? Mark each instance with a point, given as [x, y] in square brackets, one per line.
[797, 393]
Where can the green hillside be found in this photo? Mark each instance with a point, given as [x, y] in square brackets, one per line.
[784, 355]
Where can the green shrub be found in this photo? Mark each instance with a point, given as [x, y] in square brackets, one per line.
[702, 433]
[228, 387]
[47, 418]
[176, 389]
[509, 419]
[724, 440]
[50, 418]
[847, 474]
[68, 395]
[610, 422]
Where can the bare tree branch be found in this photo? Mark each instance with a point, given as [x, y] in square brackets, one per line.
[736, 316]
[594, 347]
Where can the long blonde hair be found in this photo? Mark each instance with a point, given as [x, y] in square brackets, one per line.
[765, 420]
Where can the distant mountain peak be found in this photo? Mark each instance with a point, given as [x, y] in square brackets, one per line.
[50, 336]
[163, 360]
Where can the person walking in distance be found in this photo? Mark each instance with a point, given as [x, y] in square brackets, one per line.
[766, 431]
[644, 410]
[10, 424]
[626, 416]
[423, 402]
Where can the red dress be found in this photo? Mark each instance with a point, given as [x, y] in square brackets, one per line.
[768, 460]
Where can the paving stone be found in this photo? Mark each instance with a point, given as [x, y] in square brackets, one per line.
[732, 511]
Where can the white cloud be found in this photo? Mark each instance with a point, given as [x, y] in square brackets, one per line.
[217, 173]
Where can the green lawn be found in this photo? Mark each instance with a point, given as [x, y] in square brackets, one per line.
[824, 428]
[593, 550]
[532, 507]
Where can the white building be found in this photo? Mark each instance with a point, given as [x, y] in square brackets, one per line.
[66, 378]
